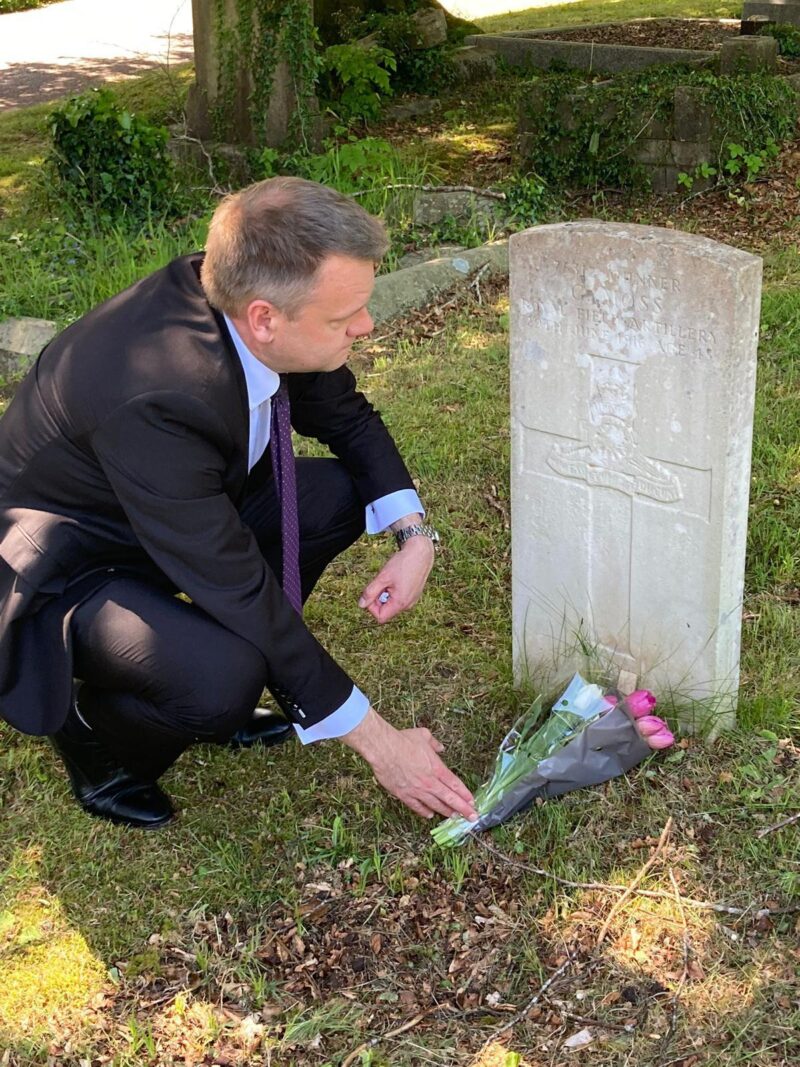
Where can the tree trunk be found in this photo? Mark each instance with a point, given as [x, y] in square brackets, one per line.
[219, 104]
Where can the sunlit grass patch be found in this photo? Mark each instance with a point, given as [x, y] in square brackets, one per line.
[589, 11]
[50, 975]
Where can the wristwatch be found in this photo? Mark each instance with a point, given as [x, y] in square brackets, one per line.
[417, 529]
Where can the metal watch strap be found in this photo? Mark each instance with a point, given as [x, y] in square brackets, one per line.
[417, 529]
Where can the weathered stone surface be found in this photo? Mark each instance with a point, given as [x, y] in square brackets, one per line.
[633, 356]
[425, 255]
[403, 290]
[663, 178]
[531, 52]
[21, 341]
[431, 26]
[656, 151]
[471, 63]
[431, 208]
[744, 55]
[786, 12]
[692, 114]
[411, 109]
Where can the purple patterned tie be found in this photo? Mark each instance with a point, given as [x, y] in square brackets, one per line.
[280, 442]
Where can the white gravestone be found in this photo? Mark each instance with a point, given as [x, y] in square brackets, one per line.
[633, 362]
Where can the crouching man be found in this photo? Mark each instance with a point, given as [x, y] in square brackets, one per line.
[148, 453]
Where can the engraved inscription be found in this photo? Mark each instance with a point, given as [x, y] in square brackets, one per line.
[609, 455]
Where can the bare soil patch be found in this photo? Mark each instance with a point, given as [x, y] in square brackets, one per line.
[706, 35]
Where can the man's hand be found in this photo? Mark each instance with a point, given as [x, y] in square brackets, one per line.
[403, 578]
[407, 765]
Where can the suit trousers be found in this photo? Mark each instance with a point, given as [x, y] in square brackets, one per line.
[158, 673]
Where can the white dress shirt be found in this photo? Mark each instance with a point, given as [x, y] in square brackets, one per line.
[262, 384]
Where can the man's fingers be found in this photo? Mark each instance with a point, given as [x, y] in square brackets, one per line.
[368, 597]
[452, 781]
[447, 802]
[417, 807]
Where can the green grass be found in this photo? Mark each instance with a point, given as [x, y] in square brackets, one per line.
[590, 11]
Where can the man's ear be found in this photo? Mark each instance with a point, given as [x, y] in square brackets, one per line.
[263, 319]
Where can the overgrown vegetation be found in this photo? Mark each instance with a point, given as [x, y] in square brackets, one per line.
[357, 80]
[584, 135]
[263, 35]
[788, 38]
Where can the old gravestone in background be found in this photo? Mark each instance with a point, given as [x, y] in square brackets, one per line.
[633, 358]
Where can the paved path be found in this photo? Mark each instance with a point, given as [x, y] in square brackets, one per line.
[60, 49]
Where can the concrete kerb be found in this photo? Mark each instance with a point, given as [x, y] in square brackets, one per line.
[415, 287]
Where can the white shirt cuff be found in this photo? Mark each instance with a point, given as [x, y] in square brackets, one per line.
[382, 512]
[339, 722]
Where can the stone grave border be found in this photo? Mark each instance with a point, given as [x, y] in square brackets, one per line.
[525, 48]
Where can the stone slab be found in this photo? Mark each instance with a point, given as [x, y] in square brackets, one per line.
[401, 291]
[633, 358]
[784, 12]
[582, 55]
[744, 55]
[431, 208]
[21, 341]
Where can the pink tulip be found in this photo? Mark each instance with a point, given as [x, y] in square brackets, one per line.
[655, 731]
[640, 703]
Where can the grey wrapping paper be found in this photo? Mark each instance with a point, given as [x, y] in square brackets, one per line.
[606, 749]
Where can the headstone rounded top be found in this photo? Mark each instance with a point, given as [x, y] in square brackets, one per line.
[689, 243]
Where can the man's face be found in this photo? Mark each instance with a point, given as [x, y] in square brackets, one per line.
[321, 334]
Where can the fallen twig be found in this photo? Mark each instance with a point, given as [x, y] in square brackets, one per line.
[676, 997]
[476, 282]
[373, 1041]
[778, 825]
[617, 906]
[531, 1003]
[659, 894]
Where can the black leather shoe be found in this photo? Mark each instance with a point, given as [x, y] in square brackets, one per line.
[101, 786]
[263, 729]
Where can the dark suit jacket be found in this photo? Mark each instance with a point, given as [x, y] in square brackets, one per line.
[126, 447]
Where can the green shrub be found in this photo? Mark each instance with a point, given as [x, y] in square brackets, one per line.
[108, 164]
[418, 70]
[354, 78]
[788, 38]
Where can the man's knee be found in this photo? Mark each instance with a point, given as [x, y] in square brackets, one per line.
[221, 703]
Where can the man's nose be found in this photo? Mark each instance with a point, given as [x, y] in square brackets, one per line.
[362, 325]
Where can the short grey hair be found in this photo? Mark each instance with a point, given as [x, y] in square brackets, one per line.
[268, 241]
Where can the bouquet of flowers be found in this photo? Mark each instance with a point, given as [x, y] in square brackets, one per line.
[589, 736]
